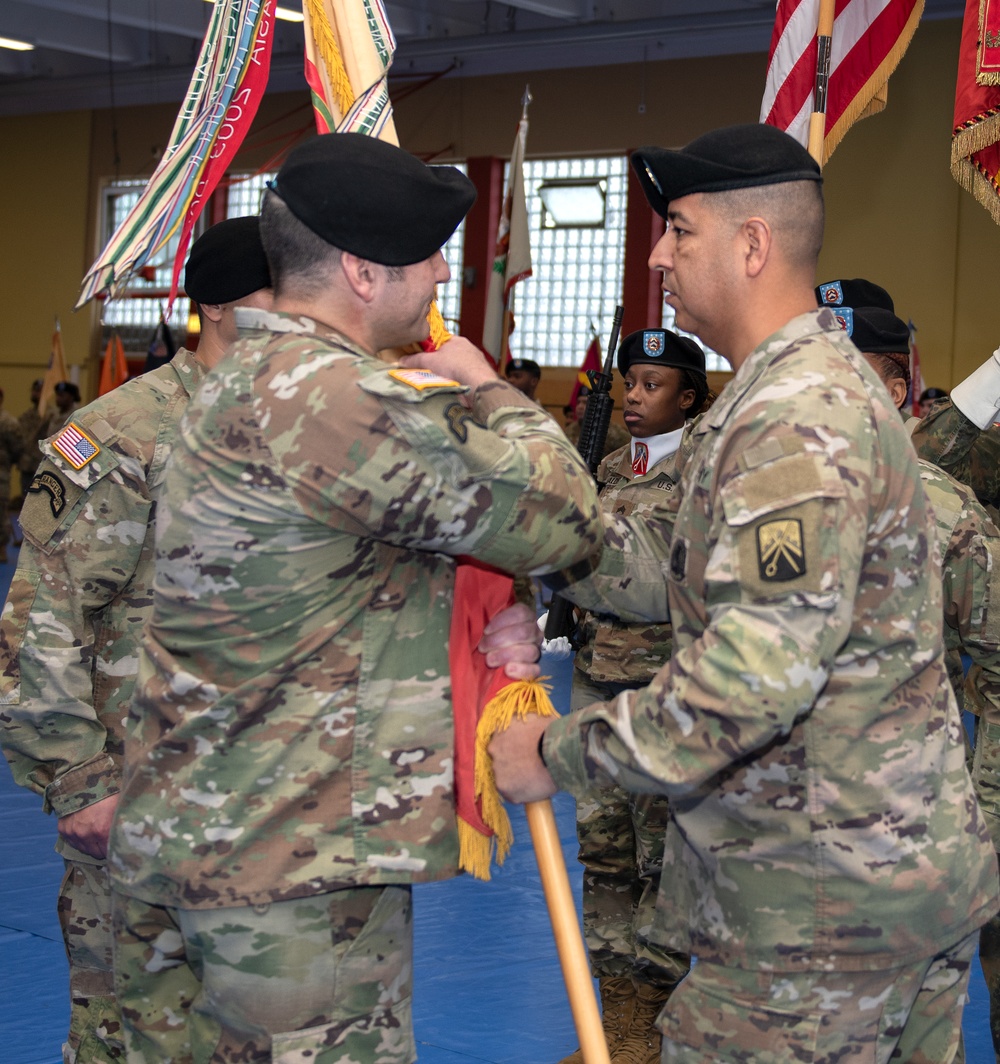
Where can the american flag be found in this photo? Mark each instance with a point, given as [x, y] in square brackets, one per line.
[75, 446]
[869, 39]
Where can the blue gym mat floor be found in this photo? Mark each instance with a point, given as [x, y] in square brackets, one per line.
[487, 983]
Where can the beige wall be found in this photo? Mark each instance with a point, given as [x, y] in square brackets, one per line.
[43, 219]
[894, 212]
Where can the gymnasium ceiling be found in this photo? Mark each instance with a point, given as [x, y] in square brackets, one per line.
[87, 53]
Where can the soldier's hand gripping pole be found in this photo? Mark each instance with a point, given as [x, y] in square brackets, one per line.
[593, 435]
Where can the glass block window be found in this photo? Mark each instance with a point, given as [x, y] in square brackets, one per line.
[136, 314]
[577, 272]
[244, 196]
[713, 362]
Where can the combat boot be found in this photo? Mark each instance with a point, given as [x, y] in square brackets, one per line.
[641, 1044]
[617, 1000]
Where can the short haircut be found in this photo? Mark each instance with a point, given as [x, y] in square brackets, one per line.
[794, 210]
[297, 257]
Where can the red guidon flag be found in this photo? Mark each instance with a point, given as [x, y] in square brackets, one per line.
[869, 39]
[975, 155]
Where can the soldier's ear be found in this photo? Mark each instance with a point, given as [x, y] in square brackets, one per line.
[361, 275]
[757, 237]
[212, 311]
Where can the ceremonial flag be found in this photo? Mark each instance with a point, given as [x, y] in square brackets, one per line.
[591, 360]
[114, 369]
[222, 98]
[975, 155]
[869, 39]
[56, 371]
[512, 257]
[349, 49]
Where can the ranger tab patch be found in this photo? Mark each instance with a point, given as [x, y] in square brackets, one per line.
[421, 379]
[76, 446]
[781, 552]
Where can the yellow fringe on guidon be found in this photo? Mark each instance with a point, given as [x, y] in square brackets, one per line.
[515, 702]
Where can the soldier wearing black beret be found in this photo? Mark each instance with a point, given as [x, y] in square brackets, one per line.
[87, 556]
[298, 681]
[525, 374]
[804, 719]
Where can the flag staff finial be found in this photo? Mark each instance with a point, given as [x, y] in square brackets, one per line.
[525, 101]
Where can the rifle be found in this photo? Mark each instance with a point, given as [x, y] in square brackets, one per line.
[593, 435]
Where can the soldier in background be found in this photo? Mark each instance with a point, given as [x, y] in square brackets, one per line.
[11, 447]
[620, 834]
[291, 771]
[828, 863]
[30, 422]
[961, 435]
[524, 374]
[82, 591]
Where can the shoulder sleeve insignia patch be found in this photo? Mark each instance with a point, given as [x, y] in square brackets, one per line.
[421, 379]
[457, 417]
[781, 552]
[75, 446]
[49, 484]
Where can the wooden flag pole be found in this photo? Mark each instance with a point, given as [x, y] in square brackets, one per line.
[824, 39]
[566, 929]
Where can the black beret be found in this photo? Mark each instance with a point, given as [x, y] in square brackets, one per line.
[854, 292]
[227, 262]
[735, 157]
[877, 331]
[373, 199]
[527, 364]
[659, 347]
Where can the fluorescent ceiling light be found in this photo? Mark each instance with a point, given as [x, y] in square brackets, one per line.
[16, 46]
[285, 13]
[573, 203]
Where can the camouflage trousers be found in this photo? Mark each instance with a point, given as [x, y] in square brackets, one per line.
[319, 980]
[621, 849]
[733, 1016]
[95, 1028]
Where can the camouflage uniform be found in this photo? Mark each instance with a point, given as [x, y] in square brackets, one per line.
[961, 448]
[11, 446]
[70, 650]
[948, 437]
[294, 730]
[621, 835]
[822, 821]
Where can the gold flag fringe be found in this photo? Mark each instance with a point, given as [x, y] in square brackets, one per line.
[439, 331]
[873, 96]
[326, 45]
[514, 702]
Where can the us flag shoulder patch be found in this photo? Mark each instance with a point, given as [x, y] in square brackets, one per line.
[76, 446]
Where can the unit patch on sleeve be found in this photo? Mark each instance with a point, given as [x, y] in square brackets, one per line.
[48, 483]
[781, 552]
[75, 446]
[421, 379]
[457, 417]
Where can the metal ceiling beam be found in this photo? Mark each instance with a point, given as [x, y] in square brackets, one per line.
[185, 18]
[74, 34]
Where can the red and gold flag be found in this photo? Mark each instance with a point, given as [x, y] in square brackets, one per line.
[591, 361]
[975, 139]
